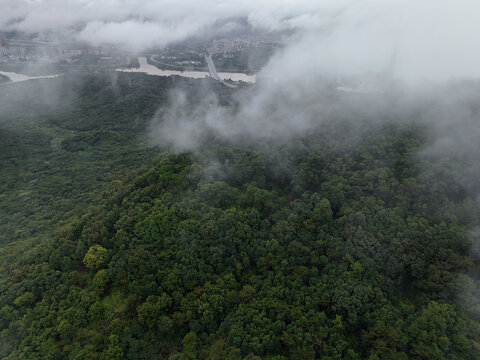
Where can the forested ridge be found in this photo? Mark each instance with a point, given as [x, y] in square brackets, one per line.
[318, 247]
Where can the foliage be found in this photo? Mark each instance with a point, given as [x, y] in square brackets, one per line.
[95, 257]
[304, 249]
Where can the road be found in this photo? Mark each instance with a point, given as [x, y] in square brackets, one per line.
[213, 71]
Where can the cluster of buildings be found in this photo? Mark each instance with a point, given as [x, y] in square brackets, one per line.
[229, 47]
[72, 55]
[30, 53]
[11, 52]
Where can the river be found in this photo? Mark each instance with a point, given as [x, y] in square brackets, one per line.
[149, 69]
[15, 77]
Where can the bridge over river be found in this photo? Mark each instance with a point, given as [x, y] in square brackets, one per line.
[213, 71]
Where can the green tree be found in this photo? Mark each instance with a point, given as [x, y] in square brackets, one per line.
[190, 344]
[95, 257]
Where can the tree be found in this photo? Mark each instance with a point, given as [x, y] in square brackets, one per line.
[190, 343]
[100, 279]
[95, 257]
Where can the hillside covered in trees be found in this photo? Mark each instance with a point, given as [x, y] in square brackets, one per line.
[324, 246]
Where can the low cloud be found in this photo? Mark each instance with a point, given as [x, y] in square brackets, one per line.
[390, 48]
[416, 41]
[385, 47]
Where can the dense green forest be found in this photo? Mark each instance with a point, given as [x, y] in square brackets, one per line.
[64, 139]
[323, 246]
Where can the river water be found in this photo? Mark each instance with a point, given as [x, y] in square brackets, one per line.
[149, 69]
[15, 77]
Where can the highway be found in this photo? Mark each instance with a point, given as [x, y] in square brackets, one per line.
[213, 71]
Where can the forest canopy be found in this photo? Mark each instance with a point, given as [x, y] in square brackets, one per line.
[288, 249]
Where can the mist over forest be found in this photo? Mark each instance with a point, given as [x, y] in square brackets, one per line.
[269, 179]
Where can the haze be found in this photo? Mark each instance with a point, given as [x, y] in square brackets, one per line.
[411, 40]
